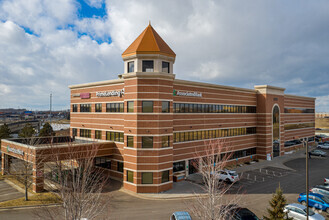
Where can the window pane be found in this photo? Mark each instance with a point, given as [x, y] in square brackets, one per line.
[147, 178]
[165, 141]
[121, 107]
[130, 141]
[165, 176]
[120, 166]
[131, 67]
[130, 106]
[98, 134]
[75, 108]
[98, 107]
[147, 66]
[147, 142]
[130, 176]
[165, 107]
[121, 137]
[147, 106]
[165, 67]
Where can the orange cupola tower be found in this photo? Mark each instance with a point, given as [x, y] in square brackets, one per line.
[149, 53]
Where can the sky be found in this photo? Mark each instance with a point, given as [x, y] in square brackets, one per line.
[47, 45]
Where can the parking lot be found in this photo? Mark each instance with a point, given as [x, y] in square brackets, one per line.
[256, 186]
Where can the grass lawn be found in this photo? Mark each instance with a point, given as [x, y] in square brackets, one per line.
[37, 199]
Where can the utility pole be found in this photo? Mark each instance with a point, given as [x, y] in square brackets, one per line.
[50, 108]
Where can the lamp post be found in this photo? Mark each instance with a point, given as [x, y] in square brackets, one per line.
[305, 143]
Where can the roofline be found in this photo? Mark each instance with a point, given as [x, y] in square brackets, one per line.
[186, 82]
[101, 83]
[297, 96]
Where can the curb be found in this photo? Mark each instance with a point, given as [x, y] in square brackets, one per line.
[28, 207]
[161, 196]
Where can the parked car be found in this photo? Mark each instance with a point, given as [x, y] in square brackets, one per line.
[239, 213]
[230, 176]
[298, 211]
[320, 190]
[315, 200]
[323, 146]
[180, 216]
[317, 152]
[326, 181]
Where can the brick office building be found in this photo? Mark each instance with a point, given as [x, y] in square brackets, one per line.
[156, 121]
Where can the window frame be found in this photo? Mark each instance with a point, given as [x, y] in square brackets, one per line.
[144, 68]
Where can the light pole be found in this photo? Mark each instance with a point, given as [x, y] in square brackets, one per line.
[305, 142]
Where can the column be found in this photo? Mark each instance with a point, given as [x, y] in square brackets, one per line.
[38, 177]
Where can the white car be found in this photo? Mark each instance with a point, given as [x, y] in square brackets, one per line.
[298, 211]
[326, 181]
[228, 176]
[323, 146]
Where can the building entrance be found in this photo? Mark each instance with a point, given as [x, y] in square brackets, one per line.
[191, 166]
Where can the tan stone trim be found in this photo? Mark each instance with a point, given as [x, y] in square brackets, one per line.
[149, 75]
[94, 84]
[212, 86]
[161, 184]
[301, 97]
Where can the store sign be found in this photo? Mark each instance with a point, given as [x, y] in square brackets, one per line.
[15, 151]
[189, 94]
[118, 93]
[76, 95]
[85, 95]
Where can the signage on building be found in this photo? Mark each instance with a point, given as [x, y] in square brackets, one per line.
[76, 95]
[118, 93]
[15, 151]
[85, 95]
[189, 94]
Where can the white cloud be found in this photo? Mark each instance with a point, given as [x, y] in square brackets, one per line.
[238, 43]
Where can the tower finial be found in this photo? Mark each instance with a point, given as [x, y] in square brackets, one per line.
[150, 22]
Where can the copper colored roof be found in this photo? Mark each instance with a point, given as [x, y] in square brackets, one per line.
[149, 42]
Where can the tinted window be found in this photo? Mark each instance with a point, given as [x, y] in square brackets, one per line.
[147, 106]
[147, 66]
[131, 67]
[165, 67]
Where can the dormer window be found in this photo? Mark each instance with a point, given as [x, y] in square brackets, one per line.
[131, 67]
[165, 67]
[148, 66]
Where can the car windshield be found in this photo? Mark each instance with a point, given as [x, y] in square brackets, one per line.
[247, 215]
[232, 173]
[310, 212]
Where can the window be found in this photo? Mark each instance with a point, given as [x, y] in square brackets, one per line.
[85, 133]
[147, 66]
[74, 132]
[130, 141]
[130, 176]
[147, 142]
[147, 178]
[114, 107]
[75, 108]
[131, 66]
[165, 107]
[147, 106]
[120, 167]
[165, 67]
[114, 136]
[130, 106]
[98, 134]
[178, 166]
[98, 107]
[85, 107]
[104, 162]
[165, 141]
[165, 176]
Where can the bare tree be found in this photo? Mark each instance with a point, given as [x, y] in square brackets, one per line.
[217, 203]
[77, 182]
[22, 167]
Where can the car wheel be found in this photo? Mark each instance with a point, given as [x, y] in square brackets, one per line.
[327, 210]
[303, 203]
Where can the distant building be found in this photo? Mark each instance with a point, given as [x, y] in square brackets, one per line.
[322, 115]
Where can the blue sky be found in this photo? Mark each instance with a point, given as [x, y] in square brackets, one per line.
[47, 45]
